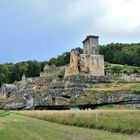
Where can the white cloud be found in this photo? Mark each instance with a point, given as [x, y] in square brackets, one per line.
[123, 13]
[118, 18]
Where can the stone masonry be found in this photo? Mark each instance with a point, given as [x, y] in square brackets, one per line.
[90, 62]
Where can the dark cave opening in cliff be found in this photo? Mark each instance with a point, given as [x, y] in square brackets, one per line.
[66, 96]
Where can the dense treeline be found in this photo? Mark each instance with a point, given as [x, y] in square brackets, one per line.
[122, 53]
[10, 72]
[114, 53]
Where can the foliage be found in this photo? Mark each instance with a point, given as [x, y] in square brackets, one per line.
[120, 53]
[3, 113]
[117, 68]
[60, 60]
[13, 72]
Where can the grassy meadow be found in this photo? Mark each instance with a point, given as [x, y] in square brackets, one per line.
[124, 121]
[15, 126]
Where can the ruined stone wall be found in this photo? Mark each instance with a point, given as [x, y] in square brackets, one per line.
[96, 65]
[74, 63]
[131, 78]
[86, 47]
[90, 62]
[94, 46]
[53, 72]
[85, 63]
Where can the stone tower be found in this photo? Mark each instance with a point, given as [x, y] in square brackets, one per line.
[91, 45]
[90, 62]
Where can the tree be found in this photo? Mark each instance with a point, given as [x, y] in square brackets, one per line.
[33, 69]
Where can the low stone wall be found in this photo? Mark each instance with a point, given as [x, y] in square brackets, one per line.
[131, 77]
[85, 78]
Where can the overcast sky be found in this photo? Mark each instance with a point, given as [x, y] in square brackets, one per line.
[41, 29]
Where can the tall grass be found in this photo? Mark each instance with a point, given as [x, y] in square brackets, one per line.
[124, 121]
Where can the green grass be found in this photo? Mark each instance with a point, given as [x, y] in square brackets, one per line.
[121, 86]
[116, 107]
[118, 68]
[19, 127]
[124, 121]
[3, 113]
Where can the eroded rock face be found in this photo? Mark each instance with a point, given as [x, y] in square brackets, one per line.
[73, 90]
[67, 92]
[9, 90]
[102, 97]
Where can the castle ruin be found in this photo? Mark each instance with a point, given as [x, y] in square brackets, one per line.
[90, 62]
